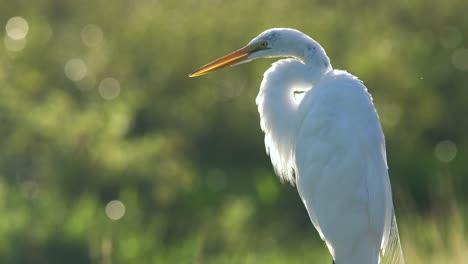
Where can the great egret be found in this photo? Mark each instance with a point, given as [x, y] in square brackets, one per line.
[329, 144]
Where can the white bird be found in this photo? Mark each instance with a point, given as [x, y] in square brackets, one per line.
[329, 143]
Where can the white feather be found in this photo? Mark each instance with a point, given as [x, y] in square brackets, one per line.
[331, 146]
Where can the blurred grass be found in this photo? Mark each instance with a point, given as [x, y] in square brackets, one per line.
[95, 106]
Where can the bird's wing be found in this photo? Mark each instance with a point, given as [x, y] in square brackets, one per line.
[341, 170]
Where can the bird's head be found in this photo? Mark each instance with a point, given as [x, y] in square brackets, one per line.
[276, 42]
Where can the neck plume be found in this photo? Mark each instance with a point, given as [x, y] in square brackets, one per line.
[279, 115]
[278, 108]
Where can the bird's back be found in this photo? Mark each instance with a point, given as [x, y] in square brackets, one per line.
[341, 170]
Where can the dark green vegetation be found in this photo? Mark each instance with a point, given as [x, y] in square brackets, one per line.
[96, 106]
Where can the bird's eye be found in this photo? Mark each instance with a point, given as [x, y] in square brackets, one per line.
[263, 44]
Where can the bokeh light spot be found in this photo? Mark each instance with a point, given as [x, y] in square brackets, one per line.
[30, 190]
[17, 28]
[390, 114]
[109, 88]
[46, 33]
[13, 44]
[450, 37]
[216, 180]
[460, 59]
[91, 35]
[75, 69]
[445, 151]
[115, 210]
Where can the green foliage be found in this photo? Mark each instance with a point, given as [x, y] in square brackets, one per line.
[96, 106]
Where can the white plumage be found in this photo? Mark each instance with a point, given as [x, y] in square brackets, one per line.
[329, 144]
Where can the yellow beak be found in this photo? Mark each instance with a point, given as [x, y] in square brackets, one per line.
[227, 60]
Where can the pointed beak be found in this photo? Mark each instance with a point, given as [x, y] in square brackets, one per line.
[227, 60]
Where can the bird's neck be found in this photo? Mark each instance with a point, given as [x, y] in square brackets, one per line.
[293, 43]
[278, 108]
[277, 104]
[316, 61]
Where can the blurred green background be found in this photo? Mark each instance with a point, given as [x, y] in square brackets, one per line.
[110, 154]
